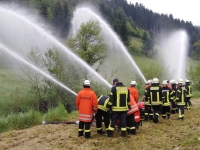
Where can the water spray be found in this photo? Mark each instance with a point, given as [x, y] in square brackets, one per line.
[35, 68]
[114, 36]
[59, 44]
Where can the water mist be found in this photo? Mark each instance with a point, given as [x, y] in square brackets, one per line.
[118, 58]
[20, 31]
[173, 53]
[13, 54]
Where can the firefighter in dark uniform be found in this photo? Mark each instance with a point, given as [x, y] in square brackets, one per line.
[148, 114]
[120, 99]
[168, 97]
[173, 107]
[180, 99]
[154, 92]
[188, 94]
[102, 111]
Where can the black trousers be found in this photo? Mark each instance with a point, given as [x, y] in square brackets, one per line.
[187, 103]
[166, 110]
[118, 115]
[81, 129]
[130, 123]
[98, 116]
[180, 111]
[156, 112]
[148, 114]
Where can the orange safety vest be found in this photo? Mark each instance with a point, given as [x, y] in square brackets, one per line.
[133, 106]
[86, 103]
[134, 92]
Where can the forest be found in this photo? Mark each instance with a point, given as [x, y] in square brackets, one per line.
[127, 19]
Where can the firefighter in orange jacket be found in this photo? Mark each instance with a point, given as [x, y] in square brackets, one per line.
[86, 103]
[133, 91]
[130, 119]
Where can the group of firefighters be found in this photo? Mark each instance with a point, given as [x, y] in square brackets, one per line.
[120, 107]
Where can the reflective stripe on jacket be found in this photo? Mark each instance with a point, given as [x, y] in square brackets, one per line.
[102, 102]
[119, 97]
[86, 103]
[180, 95]
[155, 94]
[133, 106]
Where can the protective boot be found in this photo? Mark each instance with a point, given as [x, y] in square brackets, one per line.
[150, 117]
[99, 131]
[164, 117]
[133, 132]
[123, 133]
[168, 116]
[109, 133]
[146, 118]
[80, 133]
[155, 119]
[87, 134]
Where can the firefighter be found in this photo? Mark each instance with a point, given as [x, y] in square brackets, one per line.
[180, 99]
[130, 119]
[86, 103]
[102, 112]
[120, 99]
[154, 92]
[188, 94]
[168, 97]
[133, 91]
[148, 113]
[173, 103]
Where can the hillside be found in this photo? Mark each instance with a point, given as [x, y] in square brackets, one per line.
[167, 135]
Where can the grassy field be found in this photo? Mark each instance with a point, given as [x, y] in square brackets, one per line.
[166, 135]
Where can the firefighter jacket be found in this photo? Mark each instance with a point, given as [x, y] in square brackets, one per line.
[168, 96]
[119, 97]
[154, 92]
[133, 106]
[180, 95]
[103, 103]
[86, 103]
[146, 97]
[134, 92]
[173, 95]
[189, 90]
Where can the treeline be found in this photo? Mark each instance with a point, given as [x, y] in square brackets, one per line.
[128, 20]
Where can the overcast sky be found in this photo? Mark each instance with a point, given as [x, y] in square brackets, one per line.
[188, 10]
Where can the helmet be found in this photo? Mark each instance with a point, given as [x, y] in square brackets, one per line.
[172, 81]
[164, 82]
[180, 81]
[86, 83]
[187, 81]
[155, 80]
[149, 81]
[133, 83]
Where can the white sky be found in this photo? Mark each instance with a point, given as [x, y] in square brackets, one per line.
[188, 10]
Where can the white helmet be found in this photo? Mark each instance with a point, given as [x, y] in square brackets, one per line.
[172, 81]
[187, 81]
[164, 82]
[180, 81]
[133, 83]
[155, 80]
[86, 83]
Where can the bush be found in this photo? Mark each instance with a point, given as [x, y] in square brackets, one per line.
[56, 114]
[24, 120]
